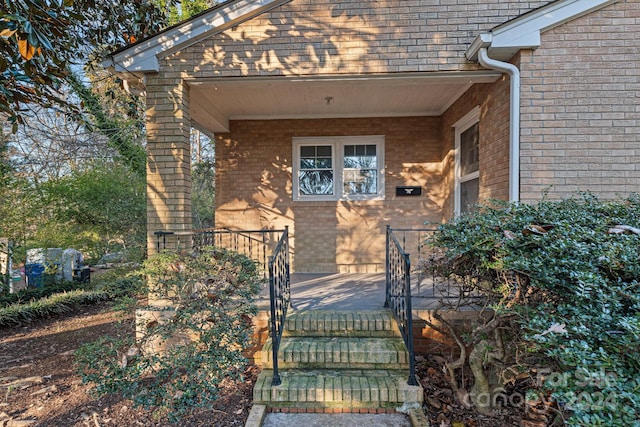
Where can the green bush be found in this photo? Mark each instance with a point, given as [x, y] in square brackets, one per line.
[178, 365]
[569, 279]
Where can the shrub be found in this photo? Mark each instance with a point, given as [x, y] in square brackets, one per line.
[568, 278]
[189, 349]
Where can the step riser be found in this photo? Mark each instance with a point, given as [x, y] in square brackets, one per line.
[377, 324]
[382, 389]
[364, 353]
[338, 359]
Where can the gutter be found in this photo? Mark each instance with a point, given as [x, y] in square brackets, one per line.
[479, 50]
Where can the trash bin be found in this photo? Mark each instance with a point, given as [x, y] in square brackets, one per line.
[82, 274]
[35, 275]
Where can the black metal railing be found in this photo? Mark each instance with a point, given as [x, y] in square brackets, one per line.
[428, 280]
[259, 245]
[280, 296]
[398, 295]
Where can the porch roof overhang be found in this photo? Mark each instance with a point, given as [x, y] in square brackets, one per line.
[215, 102]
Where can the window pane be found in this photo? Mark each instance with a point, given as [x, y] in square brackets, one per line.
[315, 157]
[318, 182]
[360, 182]
[323, 163]
[307, 163]
[469, 150]
[323, 151]
[469, 193]
[308, 151]
[360, 157]
[360, 169]
[349, 150]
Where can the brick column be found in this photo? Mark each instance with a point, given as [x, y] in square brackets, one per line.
[168, 159]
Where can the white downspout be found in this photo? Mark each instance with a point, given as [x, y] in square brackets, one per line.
[514, 122]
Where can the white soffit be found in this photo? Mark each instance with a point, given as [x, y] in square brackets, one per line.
[214, 102]
[524, 32]
[143, 57]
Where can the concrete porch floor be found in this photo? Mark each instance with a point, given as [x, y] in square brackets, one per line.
[366, 291]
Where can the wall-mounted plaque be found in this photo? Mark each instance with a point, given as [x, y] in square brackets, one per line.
[405, 190]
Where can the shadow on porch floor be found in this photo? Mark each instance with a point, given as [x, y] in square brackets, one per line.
[310, 291]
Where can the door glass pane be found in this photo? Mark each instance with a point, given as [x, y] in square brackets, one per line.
[469, 193]
[469, 150]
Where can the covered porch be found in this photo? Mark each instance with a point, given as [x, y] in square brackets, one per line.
[355, 291]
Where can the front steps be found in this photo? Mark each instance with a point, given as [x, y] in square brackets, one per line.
[352, 360]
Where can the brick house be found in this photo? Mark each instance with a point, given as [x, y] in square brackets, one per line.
[337, 118]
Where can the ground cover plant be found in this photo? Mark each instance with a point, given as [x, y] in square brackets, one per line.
[187, 350]
[119, 286]
[559, 283]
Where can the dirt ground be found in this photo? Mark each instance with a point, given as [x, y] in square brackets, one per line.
[40, 387]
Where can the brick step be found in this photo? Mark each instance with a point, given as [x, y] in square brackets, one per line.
[337, 389]
[336, 323]
[338, 353]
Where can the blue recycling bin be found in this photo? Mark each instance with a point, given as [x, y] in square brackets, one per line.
[35, 275]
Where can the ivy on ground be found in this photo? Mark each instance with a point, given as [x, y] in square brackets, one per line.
[187, 349]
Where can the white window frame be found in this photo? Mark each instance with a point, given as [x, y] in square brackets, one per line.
[337, 143]
[470, 119]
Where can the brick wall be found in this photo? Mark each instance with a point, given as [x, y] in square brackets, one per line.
[493, 100]
[580, 116]
[253, 175]
[327, 37]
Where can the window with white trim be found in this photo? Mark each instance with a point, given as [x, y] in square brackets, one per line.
[338, 168]
[467, 137]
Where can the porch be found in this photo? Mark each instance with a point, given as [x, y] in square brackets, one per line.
[356, 291]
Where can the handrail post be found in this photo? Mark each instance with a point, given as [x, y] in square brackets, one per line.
[164, 235]
[412, 362]
[275, 341]
[279, 296]
[398, 276]
[387, 269]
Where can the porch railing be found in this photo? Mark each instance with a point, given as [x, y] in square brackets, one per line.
[270, 248]
[259, 245]
[280, 296]
[398, 294]
[428, 281]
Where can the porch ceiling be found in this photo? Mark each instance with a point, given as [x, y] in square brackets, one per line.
[214, 102]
